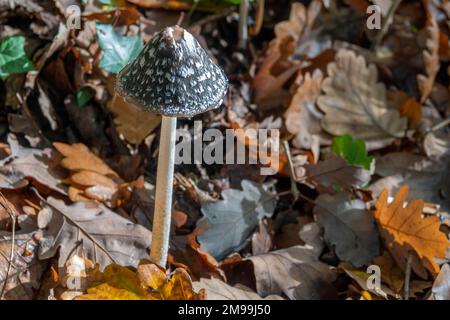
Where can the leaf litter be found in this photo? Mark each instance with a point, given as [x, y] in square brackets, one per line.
[362, 181]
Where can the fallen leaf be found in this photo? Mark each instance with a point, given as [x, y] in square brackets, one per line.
[218, 290]
[117, 50]
[353, 151]
[262, 240]
[24, 163]
[302, 118]
[412, 110]
[121, 283]
[391, 274]
[441, 285]
[133, 123]
[12, 57]
[403, 229]
[77, 157]
[430, 54]
[231, 221]
[427, 178]
[355, 102]
[295, 272]
[334, 172]
[103, 235]
[91, 177]
[349, 227]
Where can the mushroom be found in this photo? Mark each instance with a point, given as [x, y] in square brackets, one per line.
[172, 76]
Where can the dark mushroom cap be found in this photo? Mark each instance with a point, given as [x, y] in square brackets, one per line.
[173, 76]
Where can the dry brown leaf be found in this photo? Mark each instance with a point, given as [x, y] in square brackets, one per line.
[391, 275]
[269, 84]
[91, 177]
[133, 123]
[412, 110]
[301, 20]
[335, 171]
[404, 229]
[302, 117]
[430, 55]
[78, 157]
[355, 102]
[271, 81]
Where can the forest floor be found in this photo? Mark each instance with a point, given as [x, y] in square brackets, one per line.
[354, 92]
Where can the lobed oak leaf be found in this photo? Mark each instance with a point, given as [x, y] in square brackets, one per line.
[404, 229]
[349, 227]
[91, 177]
[355, 103]
[430, 54]
[271, 82]
[302, 118]
[78, 157]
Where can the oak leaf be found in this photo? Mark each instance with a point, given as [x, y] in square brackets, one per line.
[91, 177]
[334, 172]
[278, 68]
[430, 54]
[404, 230]
[355, 102]
[349, 227]
[302, 117]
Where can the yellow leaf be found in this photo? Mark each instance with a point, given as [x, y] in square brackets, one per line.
[151, 276]
[148, 283]
[107, 292]
[404, 229]
[180, 287]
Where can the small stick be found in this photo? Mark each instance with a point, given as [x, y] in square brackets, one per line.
[294, 188]
[386, 24]
[163, 194]
[440, 125]
[407, 276]
[243, 24]
[4, 203]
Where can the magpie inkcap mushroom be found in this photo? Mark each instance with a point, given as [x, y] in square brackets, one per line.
[172, 76]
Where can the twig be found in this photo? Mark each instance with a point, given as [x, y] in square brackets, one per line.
[386, 23]
[180, 18]
[243, 25]
[407, 276]
[11, 214]
[209, 19]
[294, 188]
[440, 125]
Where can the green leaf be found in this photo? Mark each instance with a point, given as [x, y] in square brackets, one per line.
[83, 96]
[13, 58]
[117, 50]
[354, 152]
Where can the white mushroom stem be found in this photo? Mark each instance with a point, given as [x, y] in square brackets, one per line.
[163, 195]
